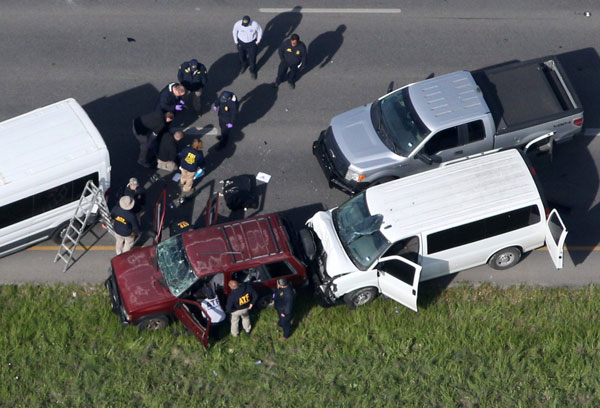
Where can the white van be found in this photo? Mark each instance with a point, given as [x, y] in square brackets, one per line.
[46, 158]
[392, 236]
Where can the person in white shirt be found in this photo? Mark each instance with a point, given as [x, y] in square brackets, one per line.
[247, 34]
[215, 312]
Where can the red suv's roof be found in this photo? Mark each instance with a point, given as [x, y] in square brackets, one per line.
[217, 248]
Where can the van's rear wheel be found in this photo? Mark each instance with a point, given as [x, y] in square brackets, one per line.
[59, 233]
[505, 258]
[360, 297]
[152, 323]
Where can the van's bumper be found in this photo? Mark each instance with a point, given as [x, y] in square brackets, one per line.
[333, 176]
[115, 299]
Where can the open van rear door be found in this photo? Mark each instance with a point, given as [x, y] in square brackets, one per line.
[399, 279]
[187, 312]
[556, 233]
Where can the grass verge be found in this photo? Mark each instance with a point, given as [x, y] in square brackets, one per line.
[471, 347]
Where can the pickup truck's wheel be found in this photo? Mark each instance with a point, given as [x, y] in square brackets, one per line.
[382, 180]
[264, 301]
[505, 258]
[360, 297]
[152, 323]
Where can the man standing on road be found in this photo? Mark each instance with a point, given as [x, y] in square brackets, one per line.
[239, 303]
[191, 159]
[146, 129]
[192, 75]
[227, 104]
[293, 58]
[247, 34]
[171, 98]
[125, 224]
[284, 304]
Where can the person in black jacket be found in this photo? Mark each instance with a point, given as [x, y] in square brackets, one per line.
[191, 159]
[147, 128]
[227, 104]
[284, 304]
[192, 75]
[293, 58]
[125, 224]
[171, 98]
[167, 156]
[239, 303]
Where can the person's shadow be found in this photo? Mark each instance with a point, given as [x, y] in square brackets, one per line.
[322, 49]
[277, 29]
[221, 74]
[255, 104]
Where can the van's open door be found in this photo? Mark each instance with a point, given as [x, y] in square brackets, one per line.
[556, 233]
[399, 279]
[187, 312]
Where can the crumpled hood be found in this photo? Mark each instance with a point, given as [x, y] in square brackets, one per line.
[357, 139]
[138, 280]
[338, 262]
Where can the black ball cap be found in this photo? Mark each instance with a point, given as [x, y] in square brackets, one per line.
[245, 21]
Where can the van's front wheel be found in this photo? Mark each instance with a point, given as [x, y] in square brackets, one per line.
[505, 258]
[59, 233]
[360, 297]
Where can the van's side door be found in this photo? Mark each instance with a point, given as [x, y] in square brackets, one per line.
[187, 311]
[399, 279]
[556, 233]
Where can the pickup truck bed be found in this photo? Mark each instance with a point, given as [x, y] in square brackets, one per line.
[523, 94]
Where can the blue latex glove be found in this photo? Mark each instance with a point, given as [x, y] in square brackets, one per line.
[229, 126]
[182, 102]
[178, 107]
[215, 108]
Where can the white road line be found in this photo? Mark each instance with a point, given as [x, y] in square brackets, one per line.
[592, 132]
[332, 10]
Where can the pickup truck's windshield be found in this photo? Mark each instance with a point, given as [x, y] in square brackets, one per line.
[174, 265]
[359, 231]
[399, 122]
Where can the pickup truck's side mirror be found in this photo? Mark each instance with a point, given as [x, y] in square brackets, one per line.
[427, 159]
[390, 87]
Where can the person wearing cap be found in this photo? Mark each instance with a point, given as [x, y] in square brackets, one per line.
[227, 106]
[192, 75]
[284, 304]
[247, 34]
[135, 191]
[191, 159]
[239, 303]
[292, 53]
[125, 224]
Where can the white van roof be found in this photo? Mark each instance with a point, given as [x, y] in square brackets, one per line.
[456, 194]
[45, 138]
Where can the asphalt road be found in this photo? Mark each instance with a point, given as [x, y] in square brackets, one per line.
[114, 57]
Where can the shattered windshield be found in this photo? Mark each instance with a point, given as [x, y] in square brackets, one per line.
[174, 265]
[359, 232]
[400, 122]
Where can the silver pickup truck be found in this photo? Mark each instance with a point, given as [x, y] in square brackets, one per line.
[430, 123]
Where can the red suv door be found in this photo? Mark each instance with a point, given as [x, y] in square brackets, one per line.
[190, 314]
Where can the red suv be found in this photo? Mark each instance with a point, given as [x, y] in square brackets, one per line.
[151, 286]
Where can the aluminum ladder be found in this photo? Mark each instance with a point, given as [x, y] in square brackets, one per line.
[91, 201]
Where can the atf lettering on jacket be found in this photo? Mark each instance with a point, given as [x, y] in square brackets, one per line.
[121, 219]
[183, 224]
[190, 158]
[244, 299]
